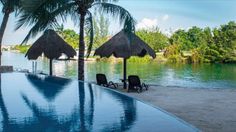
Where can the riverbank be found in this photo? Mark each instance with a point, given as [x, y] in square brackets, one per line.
[210, 110]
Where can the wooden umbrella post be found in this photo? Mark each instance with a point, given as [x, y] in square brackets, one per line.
[125, 85]
[50, 70]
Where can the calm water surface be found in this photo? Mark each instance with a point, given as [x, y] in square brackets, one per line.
[180, 75]
[30, 103]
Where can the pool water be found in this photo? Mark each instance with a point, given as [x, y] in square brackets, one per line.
[42, 103]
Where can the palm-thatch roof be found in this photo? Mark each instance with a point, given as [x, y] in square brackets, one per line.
[52, 45]
[125, 45]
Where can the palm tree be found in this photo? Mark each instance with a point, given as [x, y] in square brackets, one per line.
[43, 14]
[8, 6]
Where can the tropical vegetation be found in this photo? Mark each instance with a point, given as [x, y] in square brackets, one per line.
[69, 35]
[216, 45]
[195, 45]
[41, 15]
[21, 48]
[101, 32]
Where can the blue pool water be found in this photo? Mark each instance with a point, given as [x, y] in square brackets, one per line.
[41, 103]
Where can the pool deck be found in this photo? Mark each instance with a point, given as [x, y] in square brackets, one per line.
[209, 110]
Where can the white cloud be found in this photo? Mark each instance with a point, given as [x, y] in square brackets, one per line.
[147, 23]
[165, 17]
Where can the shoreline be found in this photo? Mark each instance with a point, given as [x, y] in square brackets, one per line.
[207, 109]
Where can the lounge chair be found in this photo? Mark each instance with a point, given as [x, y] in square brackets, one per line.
[102, 81]
[135, 84]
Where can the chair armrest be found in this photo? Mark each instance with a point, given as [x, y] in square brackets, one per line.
[145, 86]
[113, 84]
[139, 89]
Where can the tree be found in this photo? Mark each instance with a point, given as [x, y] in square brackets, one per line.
[101, 26]
[154, 38]
[196, 37]
[8, 6]
[180, 38]
[43, 14]
[225, 42]
[69, 35]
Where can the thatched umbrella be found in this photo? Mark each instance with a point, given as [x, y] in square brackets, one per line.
[124, 45]
[52, 46]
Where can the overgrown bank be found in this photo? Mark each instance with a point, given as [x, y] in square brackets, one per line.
[195, 45]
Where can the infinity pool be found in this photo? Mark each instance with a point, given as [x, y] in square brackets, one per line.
[41, 103]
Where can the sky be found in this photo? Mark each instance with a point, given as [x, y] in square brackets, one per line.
[168, 15]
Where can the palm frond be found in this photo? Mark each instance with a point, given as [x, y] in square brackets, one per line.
[39, 27]
[42, 15]
[10, 5]
[119, 12]
[89, 26]
[105, 1]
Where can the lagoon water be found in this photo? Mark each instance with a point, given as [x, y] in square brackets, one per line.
[178, 75]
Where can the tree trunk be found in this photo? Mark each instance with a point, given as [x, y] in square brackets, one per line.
[125, 69]
[81, 48]
[50, 67]
[2, 30]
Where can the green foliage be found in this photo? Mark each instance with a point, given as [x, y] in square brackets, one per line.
[197, 57]
[173, 54]
[206, 45]
[101, 25]
[21, 48]
[50, 13]
[180, 38]
[172, 50]
[175, 59]
[144, 59]
[188, 40]
[154, 38]
[70, 36]
[195, 45]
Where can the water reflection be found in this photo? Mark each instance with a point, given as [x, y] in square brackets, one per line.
[41, 84]
[182, 75]
[46, 119]
[128, 117]
[5, 115]
[80, 118]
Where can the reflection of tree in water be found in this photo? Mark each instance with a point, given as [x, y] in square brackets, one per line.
[43, 119]
[80, 119]
[7, 124]
[46, 119]
[126, 119]
[5, 114]
[86, 119]
[129, 116]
